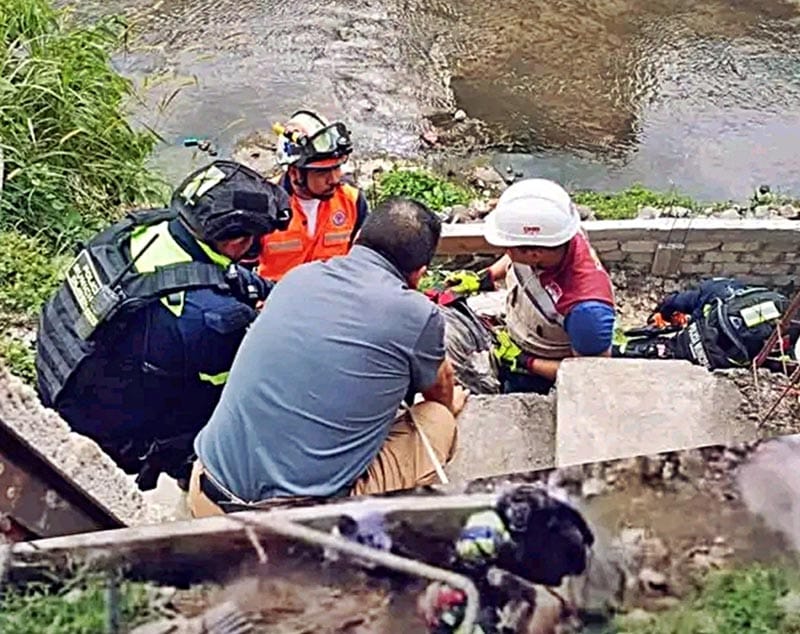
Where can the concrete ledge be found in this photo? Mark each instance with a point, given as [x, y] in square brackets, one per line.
[497, 435]
[761, 251]
[618, 408]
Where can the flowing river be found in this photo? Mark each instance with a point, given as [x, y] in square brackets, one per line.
[703, 96]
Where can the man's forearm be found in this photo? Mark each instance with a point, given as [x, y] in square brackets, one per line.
[442, 390]
[499, 269]
[548, 368]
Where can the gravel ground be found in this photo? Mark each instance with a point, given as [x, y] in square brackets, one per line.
[77, 456]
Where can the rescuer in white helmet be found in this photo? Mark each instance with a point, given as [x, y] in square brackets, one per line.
[560, 299]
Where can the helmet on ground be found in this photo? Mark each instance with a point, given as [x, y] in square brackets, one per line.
[227, 200]
[309, 141]
[535, 212]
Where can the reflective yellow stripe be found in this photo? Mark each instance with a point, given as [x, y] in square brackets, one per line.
[163, 252]
[288, 245]
[336, 238]
[214, 379]
[216, 258]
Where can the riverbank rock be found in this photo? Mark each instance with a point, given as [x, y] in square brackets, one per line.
[79, 457]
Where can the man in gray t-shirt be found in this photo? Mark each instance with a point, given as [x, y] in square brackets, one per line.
[310, 408]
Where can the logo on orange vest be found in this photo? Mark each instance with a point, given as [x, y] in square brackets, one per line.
[554, 290]
[339, 218]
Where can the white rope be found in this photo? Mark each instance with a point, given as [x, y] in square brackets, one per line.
[427, 444]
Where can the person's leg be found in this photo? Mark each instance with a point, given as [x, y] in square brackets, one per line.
[199, 504]
[403, 462]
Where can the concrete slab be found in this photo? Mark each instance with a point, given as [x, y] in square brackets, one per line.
[503, 434]
[618, 408]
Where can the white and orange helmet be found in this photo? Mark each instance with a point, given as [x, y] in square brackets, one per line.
[308, 141]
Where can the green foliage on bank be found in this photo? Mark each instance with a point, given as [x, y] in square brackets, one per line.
[626, 203]
[71, 160]
[753, 600]
[421, 185]
[77, 608]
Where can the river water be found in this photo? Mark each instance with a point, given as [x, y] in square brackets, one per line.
[703, 96]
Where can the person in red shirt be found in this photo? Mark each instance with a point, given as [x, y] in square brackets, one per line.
[327, 211]
[560, 298]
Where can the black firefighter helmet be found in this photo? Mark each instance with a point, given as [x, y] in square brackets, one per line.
[226, 200]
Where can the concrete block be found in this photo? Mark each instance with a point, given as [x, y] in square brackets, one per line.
[703, 246]
[791, 257]
[763, 257]
[695, 269]
[667, 259]
[733, 268]
[772, 269]
[639, 246]
[741, 247]
[643, 258]
[719, 256]
[619, 408]
[613, 256]
[509, 433]
[602, 246]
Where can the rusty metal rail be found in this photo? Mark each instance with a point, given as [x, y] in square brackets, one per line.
[37, 500]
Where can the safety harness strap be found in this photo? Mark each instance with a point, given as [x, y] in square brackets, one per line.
[182, 276]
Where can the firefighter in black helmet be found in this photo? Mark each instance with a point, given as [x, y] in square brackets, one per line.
[134, 347]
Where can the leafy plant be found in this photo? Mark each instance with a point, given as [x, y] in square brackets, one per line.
[744, 601]
[19, 357]
[78, 608]
[626, 204]
[423, 186]
[29, 275]
[70, 158]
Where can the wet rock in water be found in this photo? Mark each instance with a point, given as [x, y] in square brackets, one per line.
[79, 457]
[488, 176]
[459, 115]
[729, 214]
[586, 213]
[677, 212]
[460, 214]
[762, 211]
[649, 213]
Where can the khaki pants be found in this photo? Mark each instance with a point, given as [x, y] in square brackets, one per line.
[402, 463]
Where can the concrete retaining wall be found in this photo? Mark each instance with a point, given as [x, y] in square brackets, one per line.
[757, 251]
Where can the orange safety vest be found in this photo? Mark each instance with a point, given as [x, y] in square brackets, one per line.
[281, 251]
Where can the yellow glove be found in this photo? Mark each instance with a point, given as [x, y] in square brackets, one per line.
[509, 354]
[469, 282]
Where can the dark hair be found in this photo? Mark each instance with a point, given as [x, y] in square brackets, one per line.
[403, 231]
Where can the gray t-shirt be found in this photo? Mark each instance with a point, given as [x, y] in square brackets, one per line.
[318, 379]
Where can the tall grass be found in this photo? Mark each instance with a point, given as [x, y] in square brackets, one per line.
[70, 159]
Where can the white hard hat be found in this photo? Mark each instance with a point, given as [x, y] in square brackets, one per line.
[535, 212]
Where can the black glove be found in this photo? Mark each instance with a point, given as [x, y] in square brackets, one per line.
[247, 286]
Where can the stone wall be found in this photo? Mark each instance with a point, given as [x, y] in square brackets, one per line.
[757, 251]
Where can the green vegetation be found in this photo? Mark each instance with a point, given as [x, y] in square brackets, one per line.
[754, 600]
[78, 608]
[626, 204]
[424, 186]
[69, 159]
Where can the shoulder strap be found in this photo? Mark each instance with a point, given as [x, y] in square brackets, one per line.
[174, 278]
